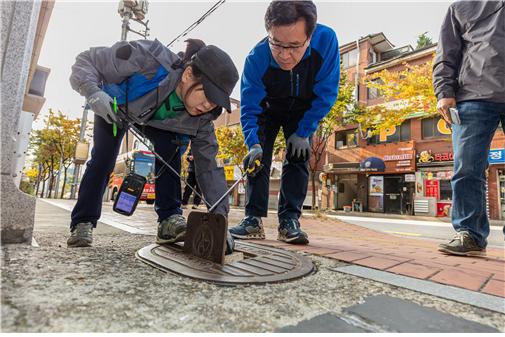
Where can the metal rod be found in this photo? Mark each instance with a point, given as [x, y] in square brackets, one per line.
[227, 192]
[140, 136]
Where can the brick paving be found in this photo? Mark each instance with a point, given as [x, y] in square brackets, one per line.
[413, 257]
[418, 258]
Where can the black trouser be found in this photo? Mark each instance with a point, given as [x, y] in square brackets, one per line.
[103, 158]
[294, 179]
[187, 190]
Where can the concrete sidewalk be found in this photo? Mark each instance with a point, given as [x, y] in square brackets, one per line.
[51, 288]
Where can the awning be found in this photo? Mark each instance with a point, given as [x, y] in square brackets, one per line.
[372, 164]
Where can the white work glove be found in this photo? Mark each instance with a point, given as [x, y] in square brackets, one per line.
[101, 104]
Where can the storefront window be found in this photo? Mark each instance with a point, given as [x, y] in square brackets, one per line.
[344, 139]
[445, 190]
[430, 128]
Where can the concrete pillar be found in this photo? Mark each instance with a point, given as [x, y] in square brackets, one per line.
[19, 24]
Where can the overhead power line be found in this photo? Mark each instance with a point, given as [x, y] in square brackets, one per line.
[197, 22]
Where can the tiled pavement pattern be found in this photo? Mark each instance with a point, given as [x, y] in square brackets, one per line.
[334, 239]
[410, 257]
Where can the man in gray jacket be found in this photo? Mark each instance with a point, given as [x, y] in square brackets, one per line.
[469, 82]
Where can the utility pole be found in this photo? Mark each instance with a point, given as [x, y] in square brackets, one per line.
[135, 10]
[77, 169]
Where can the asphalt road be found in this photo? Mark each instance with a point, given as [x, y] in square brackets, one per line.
[433, 230]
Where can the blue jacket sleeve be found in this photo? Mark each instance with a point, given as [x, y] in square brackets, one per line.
[252, 92]
[326, 86]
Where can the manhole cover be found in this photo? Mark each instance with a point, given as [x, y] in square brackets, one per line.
[260, 264]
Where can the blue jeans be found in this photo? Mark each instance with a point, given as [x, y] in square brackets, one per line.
[471, 142]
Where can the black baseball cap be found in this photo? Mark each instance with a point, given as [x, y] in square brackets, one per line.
[219, 74]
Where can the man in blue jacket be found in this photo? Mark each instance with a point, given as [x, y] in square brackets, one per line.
[290, 80]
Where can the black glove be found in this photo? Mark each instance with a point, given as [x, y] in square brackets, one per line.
[298, 148]
[230, 244]
[252, 161]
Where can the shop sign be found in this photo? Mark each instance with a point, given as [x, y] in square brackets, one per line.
[232, 172]
[496, 156]
[395, 157]
[431, 188]
[403, 163]
[229, 173]
[410, 178]
[427, 157]
[443, 128]
[376, 185]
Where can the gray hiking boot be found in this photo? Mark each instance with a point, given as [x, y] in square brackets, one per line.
[290, 232]
[249, 228]
[81, 235]
[172, 229]
[462, 244]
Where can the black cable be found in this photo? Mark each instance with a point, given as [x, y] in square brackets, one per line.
[197, 22]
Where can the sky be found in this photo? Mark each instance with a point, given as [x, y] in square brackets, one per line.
[236, 27]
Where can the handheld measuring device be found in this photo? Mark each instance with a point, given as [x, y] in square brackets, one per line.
[129, 194]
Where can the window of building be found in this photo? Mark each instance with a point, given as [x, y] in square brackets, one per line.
[405, 131]
[430, 129]
[374, 93]
[349, 59]
[402, 134]
[345, 139]
[445, 190]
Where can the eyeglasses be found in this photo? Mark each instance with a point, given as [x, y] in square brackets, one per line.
[291, 49]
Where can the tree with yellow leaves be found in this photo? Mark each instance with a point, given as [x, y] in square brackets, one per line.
[406, 92]
[232, 146]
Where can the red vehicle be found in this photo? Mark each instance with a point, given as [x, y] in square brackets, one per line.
[139, 162]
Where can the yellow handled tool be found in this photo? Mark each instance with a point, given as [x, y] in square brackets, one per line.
[253, 170]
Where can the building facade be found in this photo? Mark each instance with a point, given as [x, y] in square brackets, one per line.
[405, 169]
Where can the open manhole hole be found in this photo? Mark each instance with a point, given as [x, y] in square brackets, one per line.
[249, 264]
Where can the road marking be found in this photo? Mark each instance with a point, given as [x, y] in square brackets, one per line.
[106, 219]
[403, 233]
[398, 221]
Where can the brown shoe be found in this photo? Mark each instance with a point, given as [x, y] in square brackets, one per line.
[81, 235]
[462, 244]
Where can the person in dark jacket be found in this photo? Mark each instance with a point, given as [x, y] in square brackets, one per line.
[166, 97]
[290, 80]
[469, 82]
[191, 180]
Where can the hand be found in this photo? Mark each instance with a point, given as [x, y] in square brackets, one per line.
[101, 104]
[252, 162]
[298, 148]
[443, 106]
[230, 243]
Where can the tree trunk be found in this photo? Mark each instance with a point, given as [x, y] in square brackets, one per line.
[313, 190]
[43, 187]
[38, 186]
[50, 185]
[64, 182]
